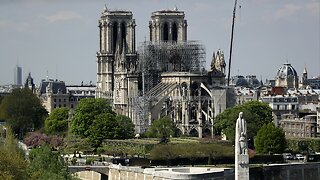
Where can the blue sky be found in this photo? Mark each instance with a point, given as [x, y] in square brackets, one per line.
[61, 37]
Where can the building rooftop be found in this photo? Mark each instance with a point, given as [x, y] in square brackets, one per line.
[286, 70]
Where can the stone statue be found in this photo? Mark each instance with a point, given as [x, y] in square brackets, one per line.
[241, 136]
[241, 150]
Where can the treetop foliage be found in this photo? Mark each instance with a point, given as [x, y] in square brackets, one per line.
[270, 139]
[57, 121]
[254, 112]
[162, 127]
[37, 139]
[95, 119]
[12, 162]
[85, 113]
[22, 111]
[44, 164]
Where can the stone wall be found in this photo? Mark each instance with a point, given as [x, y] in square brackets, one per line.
[309, 171]
[299, 171]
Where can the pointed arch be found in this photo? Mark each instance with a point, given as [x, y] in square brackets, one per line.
[123, 34]
[165, 31]
[114, 35]
[193, 133]
[206, 133]
[174, 32]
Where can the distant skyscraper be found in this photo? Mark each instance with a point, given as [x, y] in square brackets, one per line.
[18, 75]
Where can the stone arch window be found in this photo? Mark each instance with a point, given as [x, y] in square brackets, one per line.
[114, 35]
[165, 31]
[174, 32]
[206, 133]
[193, 133]
[123, 33]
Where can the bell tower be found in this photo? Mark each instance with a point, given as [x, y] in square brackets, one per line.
[117, 79]
[168, 25]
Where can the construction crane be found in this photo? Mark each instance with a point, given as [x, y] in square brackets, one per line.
[231, 43]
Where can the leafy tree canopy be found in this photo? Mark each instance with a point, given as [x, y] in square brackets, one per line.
[74, 143]
[125, 127]
[85, 113]
[95, 119]
[22, 111]
[12, 162]
[255, 113]
[44, 164]
[36, 139]
[103, 127]
[57, 121]
[163, 127]
[270, 139]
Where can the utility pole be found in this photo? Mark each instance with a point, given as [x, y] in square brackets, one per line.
[234, 16]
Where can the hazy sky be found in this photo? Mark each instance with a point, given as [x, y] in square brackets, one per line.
[61, 36]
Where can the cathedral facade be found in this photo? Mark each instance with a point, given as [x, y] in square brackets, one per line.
[166, 76]
[117, 78]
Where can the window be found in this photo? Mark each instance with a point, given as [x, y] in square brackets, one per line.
[115, 35]
[59, 100]
[54, 100]
[123, 32]
[59, 105]
[165, 32]
[64, 100]
[64, 105]
[71, 106]
[174, 32]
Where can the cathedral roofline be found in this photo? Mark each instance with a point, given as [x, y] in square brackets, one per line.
[116, 13]
[168, 12]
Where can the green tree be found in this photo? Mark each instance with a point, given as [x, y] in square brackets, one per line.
[22, 111]
[163, 127]
[103, 127]
[125, 127]
[270, 139]
[12, 162]
[57, 121]
[85, 114]
[255, 113]
[74, 143]
[44, 164]
[95, 119]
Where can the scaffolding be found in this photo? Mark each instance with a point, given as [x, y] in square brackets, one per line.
[158, 57]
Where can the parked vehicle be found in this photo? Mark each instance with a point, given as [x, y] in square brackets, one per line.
[300, 156]
[288, 156]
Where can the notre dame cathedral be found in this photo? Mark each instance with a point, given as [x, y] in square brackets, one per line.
[165, 76]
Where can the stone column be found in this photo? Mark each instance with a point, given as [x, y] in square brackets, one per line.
[241, 150]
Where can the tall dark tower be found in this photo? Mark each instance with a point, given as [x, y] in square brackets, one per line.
[117, 79]
[18, 75]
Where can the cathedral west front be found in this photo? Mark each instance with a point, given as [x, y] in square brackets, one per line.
[165, 76]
